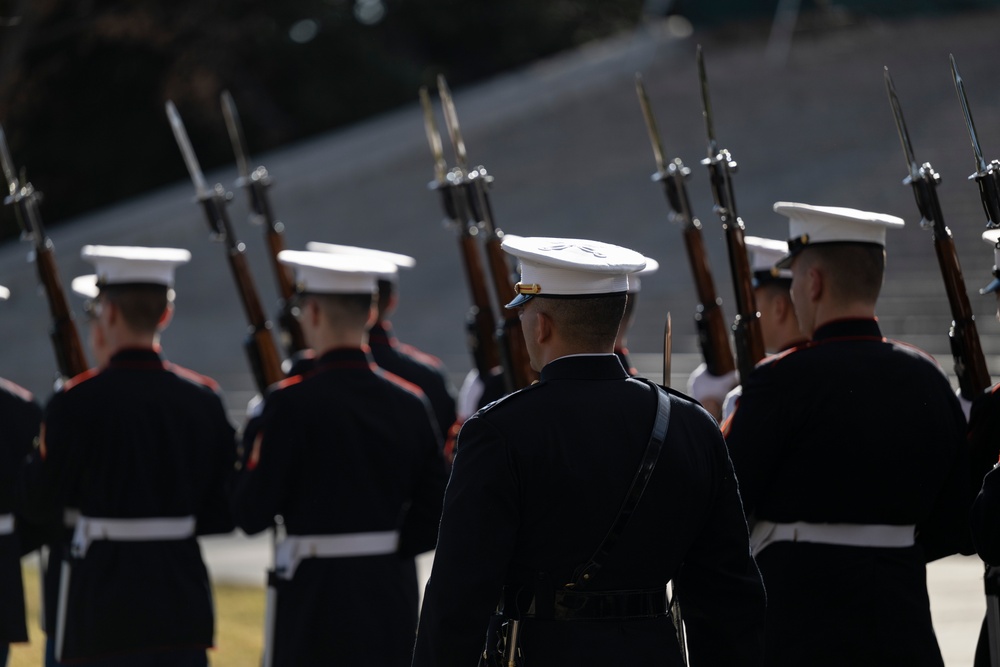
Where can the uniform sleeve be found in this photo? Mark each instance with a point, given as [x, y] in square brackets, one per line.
[719, 586]
[418, 533]
[49, 480]
[752, 436]
[945, 530]
[214, 515]
[478, 527]
[269, 448]
[986, 519]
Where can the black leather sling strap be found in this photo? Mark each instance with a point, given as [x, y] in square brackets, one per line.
[585, 573]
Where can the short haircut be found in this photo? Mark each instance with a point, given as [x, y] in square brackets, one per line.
[386, 291]
[856, 270]
[345, 310]
[141, 306]
[591, 322]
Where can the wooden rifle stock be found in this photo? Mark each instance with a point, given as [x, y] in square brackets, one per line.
[70, 357]
[265, 363]
[512, 337]
[257, 183]
[260, 348]
[481, 322]
[486, 350]
[713, 337]
[746, 328]
[65, 338]
[970, 363]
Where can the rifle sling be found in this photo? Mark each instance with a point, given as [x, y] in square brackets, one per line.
[585, 573]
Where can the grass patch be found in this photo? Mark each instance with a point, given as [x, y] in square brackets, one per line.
[239, 626]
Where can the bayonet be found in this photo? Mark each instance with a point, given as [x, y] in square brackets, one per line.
[654, 133]
[433, 137]
[706, 104]
[236, 138]
[451, 121]
[987, 175]
[904, 135]
[190, 159]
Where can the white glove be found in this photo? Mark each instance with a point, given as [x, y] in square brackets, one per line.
[703, 386]
[966, 404]
[731, 399]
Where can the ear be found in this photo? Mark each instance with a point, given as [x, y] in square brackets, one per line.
[781, 306]
[544, 329]
[168, 314]
[816, 285]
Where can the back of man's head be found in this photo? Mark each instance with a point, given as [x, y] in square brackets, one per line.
[141, 306]
[346, 311]
[854, 271]
[590, 324]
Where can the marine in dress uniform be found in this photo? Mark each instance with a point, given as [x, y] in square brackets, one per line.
[772, 293]
[984, 446]
[349, 458]
[135, 455]
[541, 474]
[413, 365]
[20, 416]
[851, 458]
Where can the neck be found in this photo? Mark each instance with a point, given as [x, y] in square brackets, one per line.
[324, 341]
[851, 311]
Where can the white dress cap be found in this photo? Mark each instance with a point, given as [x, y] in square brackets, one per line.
[812, 225]
[764, 255]
[128, 265]
[570, 267]
[398, 261]
[326, 273]
[992, 236]
[634, 282]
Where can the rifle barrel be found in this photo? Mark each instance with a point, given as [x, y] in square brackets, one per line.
[970, 363]
[713, 337]
[70, 357]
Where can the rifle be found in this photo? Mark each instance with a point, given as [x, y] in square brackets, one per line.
[721, 166]
[482, 322]
[713, 339]
[256, 183]
[261, 350]
[517, 366]
[970, 364]
[24, 198]
[987, 176]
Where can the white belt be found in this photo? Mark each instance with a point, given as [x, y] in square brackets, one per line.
[6, 524]
[89, 529]
[291, 550]
[842, 534]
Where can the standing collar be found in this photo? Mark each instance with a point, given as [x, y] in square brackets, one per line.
[137, 357]
[585, 367]
[848, 328]
[345, 357]
[381, 333]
